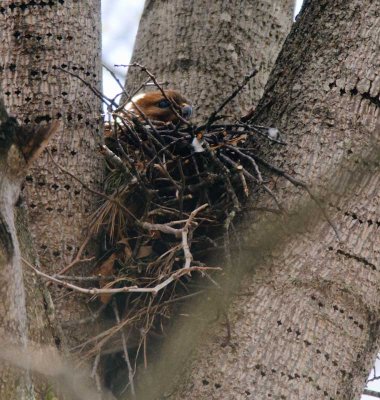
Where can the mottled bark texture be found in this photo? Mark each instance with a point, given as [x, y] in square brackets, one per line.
[42, 42]
[204, 48]
[18, 148]
[307, 325]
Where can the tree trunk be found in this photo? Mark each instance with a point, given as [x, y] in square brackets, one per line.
[205, 48]
[307, 325]
[44, 45]
[18, 147]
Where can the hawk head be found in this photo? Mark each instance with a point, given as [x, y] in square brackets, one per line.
[156, 107]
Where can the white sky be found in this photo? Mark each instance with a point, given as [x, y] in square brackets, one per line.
[120, 23]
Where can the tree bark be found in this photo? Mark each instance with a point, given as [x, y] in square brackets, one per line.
[205, 48]
[45, 44]
[18, 148]
[306, 324]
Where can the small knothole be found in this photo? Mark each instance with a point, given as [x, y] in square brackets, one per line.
[54, 186]
[56, 253]
[43, 246]
[54, 149]
[49, 209]
[217, 385]
[47, 102]
[67, 187]
[73, 152]
[57, 341]
[29, 178]
[205, 382]
[32, 205]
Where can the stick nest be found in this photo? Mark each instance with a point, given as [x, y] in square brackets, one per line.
[172, 195]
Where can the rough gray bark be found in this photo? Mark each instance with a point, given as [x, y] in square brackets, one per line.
[42, 43]
[204, 48]
[18, 148]
[307, 324]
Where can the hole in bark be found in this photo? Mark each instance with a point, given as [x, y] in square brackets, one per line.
[217, 385]
[43, 246]
[29, 178]
[67, 187]
[73, 152]
[54, 186]
[49, 209]
[205, 382]
[57, 341]
[12, 67]
[56, 253]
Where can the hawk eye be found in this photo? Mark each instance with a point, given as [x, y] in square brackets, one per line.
[164, 103]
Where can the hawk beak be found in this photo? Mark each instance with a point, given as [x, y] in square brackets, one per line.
[186, 110]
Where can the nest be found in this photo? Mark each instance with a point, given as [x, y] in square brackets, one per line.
[171, 196]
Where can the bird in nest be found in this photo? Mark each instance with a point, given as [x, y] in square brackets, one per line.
[160, 109]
